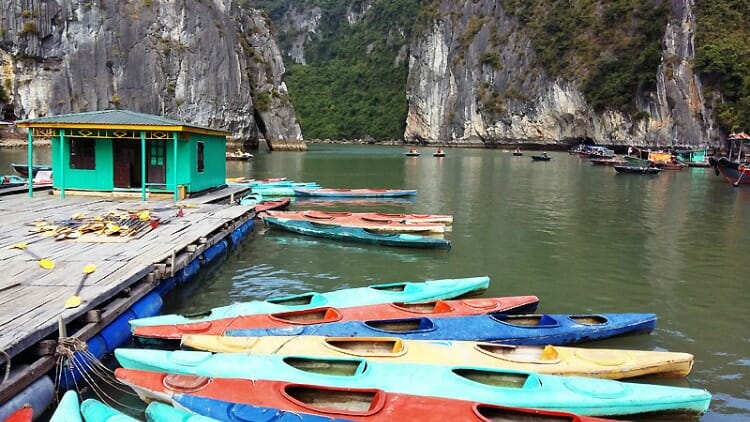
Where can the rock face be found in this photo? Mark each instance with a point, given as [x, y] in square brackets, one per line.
[212, 63]
[450, 82]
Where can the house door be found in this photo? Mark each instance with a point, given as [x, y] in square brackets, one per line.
[156, 171]
[127, 164]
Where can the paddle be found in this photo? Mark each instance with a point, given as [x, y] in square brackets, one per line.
[43, 262]
[75, 300]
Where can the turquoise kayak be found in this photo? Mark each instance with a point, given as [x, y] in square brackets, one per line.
[355, 234]
[69, 409]
[96, 411]
[585, 396]
[402, 291]
[160, 412]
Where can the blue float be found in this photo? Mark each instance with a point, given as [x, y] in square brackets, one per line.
[38, 395]
[215, 251]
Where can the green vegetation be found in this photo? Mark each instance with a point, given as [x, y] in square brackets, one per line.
[722, 58]
[353, 86]
[613, 48]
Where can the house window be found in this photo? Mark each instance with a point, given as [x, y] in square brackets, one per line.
[201, 163]
[82, 154]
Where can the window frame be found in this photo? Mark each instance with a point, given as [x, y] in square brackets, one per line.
[82, 154]
[200, 156]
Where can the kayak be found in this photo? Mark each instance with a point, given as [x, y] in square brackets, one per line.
[96, 411]
[218, 397]
[513, 304]
[361, 220]
[531, 329]
[404, 218]
[552, 360]
[402, 291]
[69, 408]
[355, 234]
[586, 396]
[355, 193]
[24, 414]
[160, 412]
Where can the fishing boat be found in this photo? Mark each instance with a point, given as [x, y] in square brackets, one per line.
[735, 172]
[665, 160]
[161, 412]
[238, 156]
[69, 408]
[530, 329]
[94, 410]
[541, 157]
[459, 307]
[231, 396]
[355, 234]
[693, 157]
[551, 360]
[637, 169]
[586, 396]
[402, 291]
[366, 221]
[23, 169]
[355, 193]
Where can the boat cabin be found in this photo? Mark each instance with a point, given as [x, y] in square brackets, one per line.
[124, 151]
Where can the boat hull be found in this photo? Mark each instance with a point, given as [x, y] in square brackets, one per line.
[461, 307]
[357, 235]
[533, 329]
[552, 360]
[587, 396]
[734, 172]
[344, 298]
[637, 170]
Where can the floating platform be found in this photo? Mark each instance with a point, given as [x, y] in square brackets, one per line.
[32, 298]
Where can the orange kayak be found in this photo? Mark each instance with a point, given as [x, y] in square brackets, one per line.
[443, 308]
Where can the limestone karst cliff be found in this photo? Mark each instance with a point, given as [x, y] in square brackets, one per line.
[209, 62]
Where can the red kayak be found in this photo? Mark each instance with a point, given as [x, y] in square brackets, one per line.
[458, 307]
[357, 404]
[24, 414]
[279, 204]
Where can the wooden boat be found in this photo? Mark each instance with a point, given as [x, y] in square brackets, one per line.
[23, 169]
[234, 396]
[69, 409]
[355, 234]
[94, 410]
[24, 414]
[402, 291]
[531, 329]
[356, 193]
[238, 156]
[367, 221]
[637, 170]
[735, 173]
[608, 162]
[160, 412]
[586, 396]
[459, 307]
[551, 360]
[543, 157]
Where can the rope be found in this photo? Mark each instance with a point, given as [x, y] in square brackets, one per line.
[7, 365]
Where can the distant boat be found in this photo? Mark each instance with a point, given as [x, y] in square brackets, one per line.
[613, 161]
[23, 169]
[438, 153]
[637, 169]
[517, 152]
[412, 153]
[542, 157]
[238, 156]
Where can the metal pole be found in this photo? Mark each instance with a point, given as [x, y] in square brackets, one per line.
[62, 164]
[30, 148]
[143, 165]
[174, 166]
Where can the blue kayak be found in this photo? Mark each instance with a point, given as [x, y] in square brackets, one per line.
[355, 193]
[585, 396]
[69, 409]
[356, 234]
[402, 291]
[160, 412]
[534, 329]
[96, 411]
[231, 412]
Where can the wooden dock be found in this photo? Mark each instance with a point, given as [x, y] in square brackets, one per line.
[32, 299]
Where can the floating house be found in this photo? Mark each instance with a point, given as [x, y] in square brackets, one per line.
[120, 151]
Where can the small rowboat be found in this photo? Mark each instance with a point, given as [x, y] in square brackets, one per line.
[355, 234]
[94, 410]
[402, 291]
[260, 204]
[217, 398]
[355, 193]
[514, 304]
[551, 360]
[637, 169]
[543, 157]
[376, 223]
[586, 396]
[532, 329]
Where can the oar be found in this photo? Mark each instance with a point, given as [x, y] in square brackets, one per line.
[75, 300]
[43, 262]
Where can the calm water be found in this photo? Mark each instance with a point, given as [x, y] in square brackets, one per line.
[582, 238]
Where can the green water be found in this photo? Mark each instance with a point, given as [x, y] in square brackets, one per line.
[581, 237]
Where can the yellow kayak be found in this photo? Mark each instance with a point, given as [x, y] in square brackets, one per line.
[554, 360]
